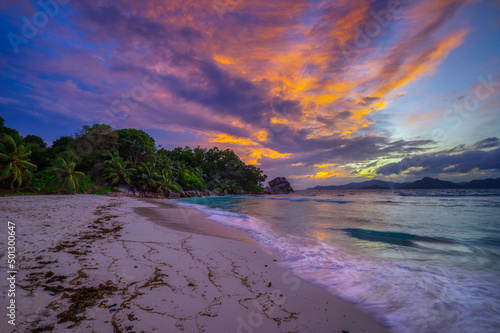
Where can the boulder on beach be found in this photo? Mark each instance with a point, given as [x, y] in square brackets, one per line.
[279, 185]
[192, 194]
[174, 195]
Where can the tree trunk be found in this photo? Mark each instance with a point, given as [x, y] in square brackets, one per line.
[12, 186]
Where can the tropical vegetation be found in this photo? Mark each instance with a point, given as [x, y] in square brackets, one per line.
[14, 161]
[98, 159]
[64, 174]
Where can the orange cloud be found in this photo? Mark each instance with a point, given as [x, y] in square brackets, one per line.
[223, 60]
[321, 165]
[425, 63]
[256, 154]
[250, 151]
[322, 174]
[293, 49]
[261, 135]
[224, 138]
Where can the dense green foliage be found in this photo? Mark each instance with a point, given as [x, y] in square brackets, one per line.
[64, 174]
[135, 145]
[5, 130]
[98, 158]
[116, 169]
[14, 161]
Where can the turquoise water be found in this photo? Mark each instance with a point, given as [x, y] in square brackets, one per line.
[420, 261]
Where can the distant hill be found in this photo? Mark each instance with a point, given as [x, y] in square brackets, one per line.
[424, 183]
[374, 187]
[428, 183]
[485, 183]
[358, 186]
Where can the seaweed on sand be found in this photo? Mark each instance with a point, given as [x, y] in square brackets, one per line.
[56, 278]
[107, 231]
[63, 246]
[83, 298]
[43, 329]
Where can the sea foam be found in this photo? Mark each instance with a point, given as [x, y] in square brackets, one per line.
[407, 296]
[306, 199]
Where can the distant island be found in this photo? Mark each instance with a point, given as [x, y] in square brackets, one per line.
[426, 183]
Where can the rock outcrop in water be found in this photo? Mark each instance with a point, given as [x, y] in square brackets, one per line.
[279, 185]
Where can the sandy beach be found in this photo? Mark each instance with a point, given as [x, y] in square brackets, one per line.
[88, 263]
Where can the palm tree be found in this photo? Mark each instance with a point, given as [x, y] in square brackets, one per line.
[166, 182]
[166, 164]
[215, 181]
[14, 161]
[179, 168]
[63, 170]
[229, 185]
[147, 176]
[116, 168]
[198, 172]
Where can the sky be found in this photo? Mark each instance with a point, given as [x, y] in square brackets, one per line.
[322, 92]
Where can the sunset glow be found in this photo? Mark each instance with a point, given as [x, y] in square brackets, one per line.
[320, 91]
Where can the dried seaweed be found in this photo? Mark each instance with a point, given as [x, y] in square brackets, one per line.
[83, 298]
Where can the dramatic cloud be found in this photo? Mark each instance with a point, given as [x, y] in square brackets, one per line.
[464, 162]
[290, 85]
[487, 143]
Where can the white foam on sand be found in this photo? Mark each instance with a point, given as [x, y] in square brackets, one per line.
[407, 296]
[166, 280]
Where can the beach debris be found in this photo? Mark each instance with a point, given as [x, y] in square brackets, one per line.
[107, 231]
[83, 298]
[56, 278]
[112, 305]
[109, 282]
[63, 246]
[191, 284]
[182, 328]
[270, 284]
[45, 263]
[135, 266]
[78, 253]
[55, 289]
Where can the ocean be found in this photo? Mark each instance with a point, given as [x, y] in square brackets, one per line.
[417, 260]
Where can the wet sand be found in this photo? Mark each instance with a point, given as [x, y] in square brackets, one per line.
[136, 265]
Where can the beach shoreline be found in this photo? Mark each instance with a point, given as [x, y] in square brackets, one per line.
[146, 265]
